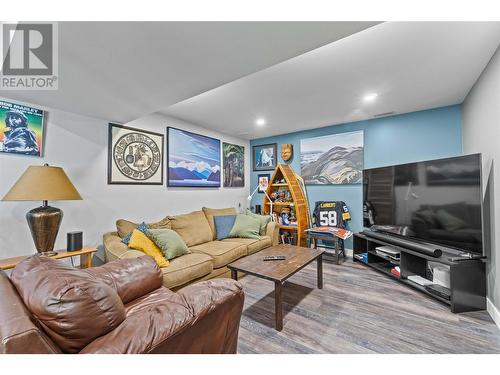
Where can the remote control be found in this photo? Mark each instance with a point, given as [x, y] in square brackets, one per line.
[274, 257]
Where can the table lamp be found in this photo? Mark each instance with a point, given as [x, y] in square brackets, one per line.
[43, 183]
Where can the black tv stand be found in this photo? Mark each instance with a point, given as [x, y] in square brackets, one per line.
[467, 290]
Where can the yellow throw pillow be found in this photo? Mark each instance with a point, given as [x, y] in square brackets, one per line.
[139, 241]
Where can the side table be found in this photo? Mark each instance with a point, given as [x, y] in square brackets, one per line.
[314, 237]
[85, 258]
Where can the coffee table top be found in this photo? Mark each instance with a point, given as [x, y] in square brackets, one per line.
[276, 270]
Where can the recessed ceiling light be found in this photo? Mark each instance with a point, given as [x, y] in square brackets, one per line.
[370, 97]
[260, 122]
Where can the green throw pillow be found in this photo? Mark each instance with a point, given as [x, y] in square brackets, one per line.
[263, 219]
[245, 227]
[169, 242]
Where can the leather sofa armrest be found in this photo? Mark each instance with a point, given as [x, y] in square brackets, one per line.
[217, 306]
[272, 231]
[131, 278]
[202, 318]
[19, 333]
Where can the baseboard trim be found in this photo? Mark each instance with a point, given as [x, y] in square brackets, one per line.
[493, 311]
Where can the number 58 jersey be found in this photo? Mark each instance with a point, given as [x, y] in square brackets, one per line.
[331, 214]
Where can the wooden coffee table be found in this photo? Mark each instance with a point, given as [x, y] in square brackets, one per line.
[279, 271]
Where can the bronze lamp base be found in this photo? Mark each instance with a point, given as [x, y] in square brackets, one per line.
[44, 223]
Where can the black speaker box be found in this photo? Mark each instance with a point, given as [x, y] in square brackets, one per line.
[74, 241]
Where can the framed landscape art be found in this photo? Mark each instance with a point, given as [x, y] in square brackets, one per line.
[135, 156]
[193, 159]
[334, 159]
[21, 129]
[233, 161]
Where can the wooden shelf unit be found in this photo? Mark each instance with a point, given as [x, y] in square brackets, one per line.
[298, 203]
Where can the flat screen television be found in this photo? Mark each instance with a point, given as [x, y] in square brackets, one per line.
[437, 201]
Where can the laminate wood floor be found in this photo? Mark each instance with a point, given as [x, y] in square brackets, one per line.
[358, 311]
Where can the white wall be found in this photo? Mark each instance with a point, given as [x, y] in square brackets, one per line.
[481, 133]
[80, 144]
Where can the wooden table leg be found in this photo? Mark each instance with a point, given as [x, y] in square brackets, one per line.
[234, 275]
[320, 271]
[278, 305]
[337, 251]
[86, 261]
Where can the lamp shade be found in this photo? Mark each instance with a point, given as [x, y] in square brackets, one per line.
[43, 183]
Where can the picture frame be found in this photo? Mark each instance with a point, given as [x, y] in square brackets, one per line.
[233, 165]
[193, 160]
[135, 156]
[332, 159]
[21, 129]
[265, 157]
[263, 182]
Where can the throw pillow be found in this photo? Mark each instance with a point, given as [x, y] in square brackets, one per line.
[210, 213]
[193, 228]
[449, 221]
[264, 220]
[139, 241]
[245, 226]
[169, 242]
[223, 225]
[143, 227]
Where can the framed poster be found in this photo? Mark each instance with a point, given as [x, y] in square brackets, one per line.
[233, 163]
[264, 157]
[334, 159]
[263, 182]
[21, 129]
[193, 159]
[135, 156]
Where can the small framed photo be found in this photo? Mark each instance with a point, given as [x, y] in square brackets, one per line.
[135, 156]
[264, 157]
[263, 182]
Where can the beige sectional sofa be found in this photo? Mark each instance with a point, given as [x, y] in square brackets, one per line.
[208, 259]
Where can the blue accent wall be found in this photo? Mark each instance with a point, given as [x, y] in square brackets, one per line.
[416, 136]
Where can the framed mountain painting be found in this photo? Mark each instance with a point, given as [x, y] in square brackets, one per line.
[334, 159]
[233, 161]
[135, 156]
[193, 159]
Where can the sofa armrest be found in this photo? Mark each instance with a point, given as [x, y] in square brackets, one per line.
[202, 318]
[115, 249]
[131, 278]
[272, 231]
[19, 333]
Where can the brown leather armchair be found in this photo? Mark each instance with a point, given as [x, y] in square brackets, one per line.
[120, 307]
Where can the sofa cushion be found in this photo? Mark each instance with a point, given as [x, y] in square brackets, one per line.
[125, 227]
[193, 228]
[221, 252]
[211, 212]
[139, 241]
[73, 307]
[253, 245]
[245, 227]
[186, 268]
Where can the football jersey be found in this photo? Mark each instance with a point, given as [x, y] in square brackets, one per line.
[331, 214]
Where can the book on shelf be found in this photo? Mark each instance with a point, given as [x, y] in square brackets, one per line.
[331, 231]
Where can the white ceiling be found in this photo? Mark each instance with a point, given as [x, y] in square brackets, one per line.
[120, 71]
[412, 66]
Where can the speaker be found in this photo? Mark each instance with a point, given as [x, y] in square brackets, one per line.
[74, 241]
